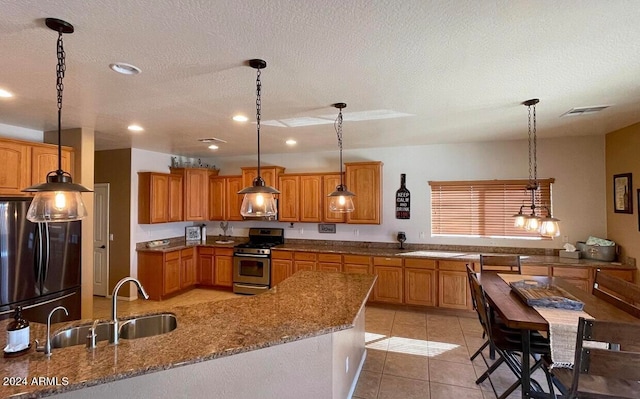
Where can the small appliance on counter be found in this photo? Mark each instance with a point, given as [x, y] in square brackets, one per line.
[252, 261]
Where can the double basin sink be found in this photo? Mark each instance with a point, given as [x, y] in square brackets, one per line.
[138, 327]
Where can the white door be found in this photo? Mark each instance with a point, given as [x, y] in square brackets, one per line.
[101, 239]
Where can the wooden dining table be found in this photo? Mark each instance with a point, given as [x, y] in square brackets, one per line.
[515, 313]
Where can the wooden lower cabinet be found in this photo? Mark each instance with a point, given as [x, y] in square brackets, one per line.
[389, 286]
[160, 273]
[580, 277]
[188, 268]
[215, 266]
[281, 266]
[359, 264]
[170, 274]
[304, 261]
[329, 262]
[420, 285]
[453, 285]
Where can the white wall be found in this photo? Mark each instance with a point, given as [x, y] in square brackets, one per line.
[20, 133]
[577, 164]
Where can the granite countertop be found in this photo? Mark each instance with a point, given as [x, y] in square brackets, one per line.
[307, 304]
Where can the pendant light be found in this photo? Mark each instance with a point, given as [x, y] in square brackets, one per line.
[59, 199]
[547, 226]
[341, 200]
[258, 198]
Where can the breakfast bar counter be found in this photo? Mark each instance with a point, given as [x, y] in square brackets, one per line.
[294, 320]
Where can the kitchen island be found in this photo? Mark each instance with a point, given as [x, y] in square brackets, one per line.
[303, 338]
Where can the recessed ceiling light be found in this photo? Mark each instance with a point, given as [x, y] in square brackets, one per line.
[213, 147]
[135, 128]
[291, 142]
[240, 118]
[5, 94]
[125, 69]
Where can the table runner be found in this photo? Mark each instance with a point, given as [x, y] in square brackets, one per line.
[563, 329]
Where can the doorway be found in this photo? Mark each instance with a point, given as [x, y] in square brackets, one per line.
[101, 240]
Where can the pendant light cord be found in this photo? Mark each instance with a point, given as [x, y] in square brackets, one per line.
[258, 109]
[338, 126]
[60, 70]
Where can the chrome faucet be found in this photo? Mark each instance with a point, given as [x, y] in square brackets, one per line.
[46, 348]
[115, 333]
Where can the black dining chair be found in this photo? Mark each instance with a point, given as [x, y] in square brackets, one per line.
[610, 372]
[507, 343]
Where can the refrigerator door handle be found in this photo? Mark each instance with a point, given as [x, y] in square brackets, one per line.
[48, 252]
[39, 260]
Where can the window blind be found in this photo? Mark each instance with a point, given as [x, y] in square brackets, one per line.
[484, 208]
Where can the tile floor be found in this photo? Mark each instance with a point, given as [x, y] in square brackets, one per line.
[410, 354]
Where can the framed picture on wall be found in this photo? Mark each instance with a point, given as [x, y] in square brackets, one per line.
[638, 198]
[622, 193]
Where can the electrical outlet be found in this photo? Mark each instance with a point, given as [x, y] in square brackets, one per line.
[301, 231]
[421, 235]
[356, 232]
[111, 237]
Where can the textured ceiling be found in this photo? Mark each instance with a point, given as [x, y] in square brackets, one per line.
[460, 68]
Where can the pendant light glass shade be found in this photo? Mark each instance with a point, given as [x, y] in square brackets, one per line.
[59, 199]
[549, 227]
[341, 200]
[259, 200]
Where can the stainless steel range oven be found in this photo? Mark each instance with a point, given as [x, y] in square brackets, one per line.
[252, 261]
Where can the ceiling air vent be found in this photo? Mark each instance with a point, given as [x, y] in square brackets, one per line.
[584, 110]
[212, 140]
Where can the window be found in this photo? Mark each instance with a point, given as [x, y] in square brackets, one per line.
[483, 208]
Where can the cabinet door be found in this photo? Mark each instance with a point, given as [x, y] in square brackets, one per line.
[310, 199]
[153, 197]
[45, 160]
[234, 200]
[364, 180]
[189, 268]
[196, 193]
[270, 175]
[206, 269]
[281, 269]
[329, 267]
[171, 275]
[329, 184]
[420, 286]
[176, 206]
[289, 204]
[453, 290]
[14, 174]
[388, 287]
[303, 265]
[217, 198]
[358, 269]
[224, 271]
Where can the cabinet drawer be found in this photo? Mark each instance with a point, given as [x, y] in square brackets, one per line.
[333, 258]
[420, 263]
[187, 252]
[173, 255]
[571, 272]
[626, 275]
[387, 261]
[535, 270]
[224, 252]
[206, 251]
[309, 256]
[356, 259]
[452, 265]
[282, 255]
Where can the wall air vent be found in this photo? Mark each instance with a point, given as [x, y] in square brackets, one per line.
[584, 110]
[212, 140]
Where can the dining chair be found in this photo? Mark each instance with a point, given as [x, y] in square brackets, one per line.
[506, 342]
[500, 263]
[621, 294]
[603, 372]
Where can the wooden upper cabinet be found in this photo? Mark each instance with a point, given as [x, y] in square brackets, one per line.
[195, 183]
[329, 183]
[364, 179]
[270, 175]
[14, 175]
[25, 164]
[44, 159]
[153, 197]
[289, 204]
[175, 194]
[224, 200]
[311, 198]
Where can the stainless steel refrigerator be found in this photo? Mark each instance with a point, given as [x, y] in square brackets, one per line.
[39, 264]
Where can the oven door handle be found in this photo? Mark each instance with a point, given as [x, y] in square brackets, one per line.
[251, 256]
[253, 287]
